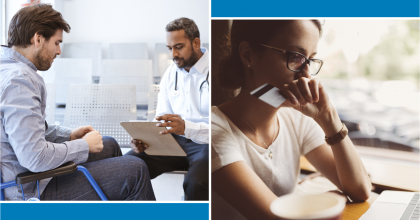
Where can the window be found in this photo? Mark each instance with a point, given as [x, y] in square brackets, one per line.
[372, 74]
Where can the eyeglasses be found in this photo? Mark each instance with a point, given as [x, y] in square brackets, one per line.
[297, 61]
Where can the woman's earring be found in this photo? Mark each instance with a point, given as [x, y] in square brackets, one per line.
[249, 66]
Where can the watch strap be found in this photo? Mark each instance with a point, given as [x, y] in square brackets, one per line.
[337, 137]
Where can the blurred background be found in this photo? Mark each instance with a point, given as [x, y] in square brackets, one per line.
[371, 72]
[112, 42]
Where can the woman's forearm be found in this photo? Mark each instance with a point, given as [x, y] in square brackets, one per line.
[241, 187]
[350, 169]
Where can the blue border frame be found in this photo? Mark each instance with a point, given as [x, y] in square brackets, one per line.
[82, 211]
[322, 8]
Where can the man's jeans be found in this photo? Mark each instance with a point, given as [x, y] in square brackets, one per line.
[196, 183]
[119, 177]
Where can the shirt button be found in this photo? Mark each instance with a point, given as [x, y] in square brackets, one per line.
[188, 110]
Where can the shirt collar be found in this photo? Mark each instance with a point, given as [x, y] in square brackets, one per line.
[201, 64]
[9, 53]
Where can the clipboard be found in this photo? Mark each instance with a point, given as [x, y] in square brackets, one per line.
[148, 133]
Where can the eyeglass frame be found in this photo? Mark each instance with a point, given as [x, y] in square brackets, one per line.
[307, 61]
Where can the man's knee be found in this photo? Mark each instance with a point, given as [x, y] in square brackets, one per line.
[132, 161]
[136, 166]
[111, 144]
[107, 140]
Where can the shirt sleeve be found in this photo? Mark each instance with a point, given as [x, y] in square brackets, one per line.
[224, 146]
[25, 128]
[313, 135]
[197, 132]
[57, 134]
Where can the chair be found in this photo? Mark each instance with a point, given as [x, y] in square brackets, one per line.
[182, 171]
[65, 71]
[103, 107]
[91, 51]
[153, 100]
[128, 51]
[162, 59]
[137, 72]
[69, 167]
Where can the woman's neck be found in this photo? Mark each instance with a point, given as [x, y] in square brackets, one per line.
[257, 120]
[258, 113]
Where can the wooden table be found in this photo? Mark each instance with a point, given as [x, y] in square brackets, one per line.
[354, 211]
[384, 175]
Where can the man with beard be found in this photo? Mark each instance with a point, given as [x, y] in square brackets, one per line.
[28, 143]
[183, 105]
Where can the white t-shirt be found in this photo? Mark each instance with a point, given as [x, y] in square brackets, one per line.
[298, 135]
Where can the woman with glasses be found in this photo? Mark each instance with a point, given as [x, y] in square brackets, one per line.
[255, 146]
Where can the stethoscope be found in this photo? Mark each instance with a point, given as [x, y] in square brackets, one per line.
[176, 91]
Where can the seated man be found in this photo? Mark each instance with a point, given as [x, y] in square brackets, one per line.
[183, 105]
[28, 143]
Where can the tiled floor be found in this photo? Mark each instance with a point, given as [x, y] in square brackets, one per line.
[168, 186]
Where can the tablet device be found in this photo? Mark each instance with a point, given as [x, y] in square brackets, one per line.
[159, 144]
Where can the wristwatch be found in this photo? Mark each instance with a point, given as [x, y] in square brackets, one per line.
[337, 137]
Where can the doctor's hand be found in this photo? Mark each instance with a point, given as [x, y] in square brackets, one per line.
[176, 123]
[80, 132]
[137, 146]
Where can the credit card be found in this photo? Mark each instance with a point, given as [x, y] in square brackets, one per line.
[269, 94]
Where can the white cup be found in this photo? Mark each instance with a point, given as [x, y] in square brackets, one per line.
[326, 206]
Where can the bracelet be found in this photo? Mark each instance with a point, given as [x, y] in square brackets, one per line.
[337, 137]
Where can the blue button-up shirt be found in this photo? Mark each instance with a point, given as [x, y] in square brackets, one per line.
[26, 144]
